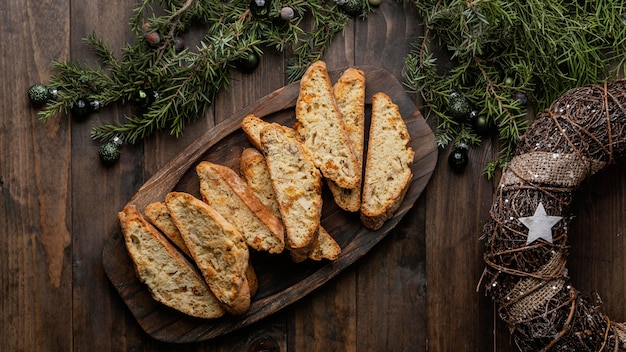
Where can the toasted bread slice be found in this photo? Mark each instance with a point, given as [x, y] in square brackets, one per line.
[297, 184]
[255, 171]
[325, 247]
[388, 166]
[323, 130]
[253, 126]
[216, 246]
[349, 93]
[170, 278]
[229, 195]
[159, 216]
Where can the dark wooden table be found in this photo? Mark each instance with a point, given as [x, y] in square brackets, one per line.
[416, 290]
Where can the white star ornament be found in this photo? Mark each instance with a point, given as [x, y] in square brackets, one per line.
[540, 225]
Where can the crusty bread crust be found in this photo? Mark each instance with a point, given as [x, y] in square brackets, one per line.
[218, 249]
[229, 195]
[349, 93]
[297, 184]
[159, 216]
[388, 166]
[322, 128]
[170, 278]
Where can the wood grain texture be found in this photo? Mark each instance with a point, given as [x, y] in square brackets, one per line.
[35, 238]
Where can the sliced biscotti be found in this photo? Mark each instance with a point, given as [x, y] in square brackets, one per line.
[252, 126]
[388, 165]
[216, 246]
[159, 216]
[349, 93]
[325, 247]
[170, 278]
[254, 170]
[321, 126]
[297, 185]
[229, 195]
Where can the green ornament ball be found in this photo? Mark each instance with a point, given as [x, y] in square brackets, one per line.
[458, 158]
[375, 2]
[458, 106]
[352, 7]
[480, 123]
[39, 94]
[110, 151]
[249, 63]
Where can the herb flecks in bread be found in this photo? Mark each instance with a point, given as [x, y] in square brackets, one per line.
[170, 278]
[297, 184]
[389, 158]
[349, 93]
[321, 126]
[229, 195]
[218, 249]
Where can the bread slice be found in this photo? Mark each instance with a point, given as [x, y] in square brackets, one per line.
[253, 126]
[322, 128]
[349, 93]
[170, 278]
[325, 247]
[216, 246]
[159, 216]
[255, 171]
[388, 165]
[297, 184]
[229, 195]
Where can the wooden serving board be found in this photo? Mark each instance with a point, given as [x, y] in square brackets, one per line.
[281, 282]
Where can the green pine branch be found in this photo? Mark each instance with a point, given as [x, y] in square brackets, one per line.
[495, 49]
[181, 85]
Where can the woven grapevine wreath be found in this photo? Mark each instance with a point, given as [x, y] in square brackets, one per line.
[526, 236]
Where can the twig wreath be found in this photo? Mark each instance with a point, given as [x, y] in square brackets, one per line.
[526, 237]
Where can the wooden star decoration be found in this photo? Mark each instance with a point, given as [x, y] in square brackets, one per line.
[539, 225]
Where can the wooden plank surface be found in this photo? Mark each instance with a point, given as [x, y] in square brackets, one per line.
[415, 291]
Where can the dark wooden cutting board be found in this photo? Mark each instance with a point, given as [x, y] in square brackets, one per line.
[281, 282]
